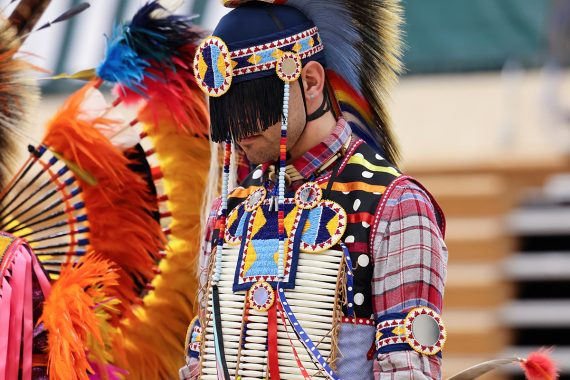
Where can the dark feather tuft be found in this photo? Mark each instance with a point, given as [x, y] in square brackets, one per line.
[27, 14]
[159, 39]
[379, 23]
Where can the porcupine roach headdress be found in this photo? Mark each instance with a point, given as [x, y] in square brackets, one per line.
[361, 46]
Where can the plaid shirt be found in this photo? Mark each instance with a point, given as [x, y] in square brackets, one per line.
[409, 255]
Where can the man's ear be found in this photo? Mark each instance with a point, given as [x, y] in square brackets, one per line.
[313, 77]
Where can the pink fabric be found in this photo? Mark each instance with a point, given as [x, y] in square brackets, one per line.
[5, 315]
[16, 306]
[28, 326]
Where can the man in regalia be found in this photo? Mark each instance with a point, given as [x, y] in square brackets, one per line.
[326, 261]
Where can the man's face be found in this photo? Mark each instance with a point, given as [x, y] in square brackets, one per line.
[264, 147]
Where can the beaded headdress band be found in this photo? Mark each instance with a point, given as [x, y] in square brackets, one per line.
[215, 66]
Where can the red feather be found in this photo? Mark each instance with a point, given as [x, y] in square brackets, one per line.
[171, 88]
[540, 366]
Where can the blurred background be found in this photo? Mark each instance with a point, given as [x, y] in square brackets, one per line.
[483, 118]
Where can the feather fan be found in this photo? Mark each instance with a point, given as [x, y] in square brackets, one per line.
[119, 206]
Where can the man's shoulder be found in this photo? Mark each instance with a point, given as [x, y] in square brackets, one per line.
[409, 197]
[365, 164]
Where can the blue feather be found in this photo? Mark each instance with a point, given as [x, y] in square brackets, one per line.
[122, 65]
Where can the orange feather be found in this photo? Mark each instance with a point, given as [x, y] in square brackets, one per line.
[119, 205]
[70, 318]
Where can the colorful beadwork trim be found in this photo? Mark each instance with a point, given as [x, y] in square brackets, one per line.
[394, 332]
[261, 296]
[260, 245]
[235, 225]
[213, 67]
[359, 321]
[391, 334]
[194, 338]
[324, 231]
[265, 57]
[289, 67]
[413, 340]
[308, 195]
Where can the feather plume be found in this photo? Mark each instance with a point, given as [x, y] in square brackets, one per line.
[119, 206]
[537, 366]
[153, 339]
[67, 15]
[474, 372]
[17, 95]
[540, 366]
[158, 35]
[122, 64]
[173, 92]
[70, 318]
[166, 42]
[26, 14]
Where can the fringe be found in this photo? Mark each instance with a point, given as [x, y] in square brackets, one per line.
[248, 108]
[205, 319]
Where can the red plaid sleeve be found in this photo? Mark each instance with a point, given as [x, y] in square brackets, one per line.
[410, 259]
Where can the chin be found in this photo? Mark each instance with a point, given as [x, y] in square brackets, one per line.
[258, 158]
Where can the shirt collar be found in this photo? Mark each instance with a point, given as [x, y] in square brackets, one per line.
[318, 155]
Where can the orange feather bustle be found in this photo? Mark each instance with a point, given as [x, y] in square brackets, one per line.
[70, 316]
[122, 228]
[540, 366]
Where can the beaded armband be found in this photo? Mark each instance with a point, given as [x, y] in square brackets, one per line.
[421, 330]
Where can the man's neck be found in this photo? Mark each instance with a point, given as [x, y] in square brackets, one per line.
[315, 132]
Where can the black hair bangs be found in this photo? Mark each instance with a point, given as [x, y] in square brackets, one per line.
[248, 108]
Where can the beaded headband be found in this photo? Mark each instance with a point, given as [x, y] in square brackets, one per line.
[215, 66]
